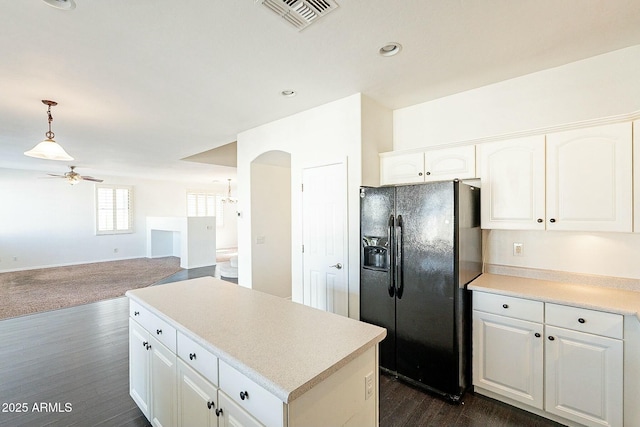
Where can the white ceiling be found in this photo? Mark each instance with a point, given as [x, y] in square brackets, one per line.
[141, 84]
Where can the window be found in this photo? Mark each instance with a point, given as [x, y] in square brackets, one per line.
[205, 204]
[113, 209]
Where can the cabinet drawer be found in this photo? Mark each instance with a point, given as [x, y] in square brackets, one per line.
[194, 355]
[158, 328]
[518, 308]
[260, 403]
[584, 320]
[139, 314]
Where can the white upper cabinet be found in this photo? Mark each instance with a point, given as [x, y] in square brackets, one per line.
[578, 180]
[450, 163]
[589, 179]
[431, 165]
[402, 168]
[512, 176]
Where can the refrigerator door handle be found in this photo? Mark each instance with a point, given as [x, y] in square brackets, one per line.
[390, 255]
[398, 256]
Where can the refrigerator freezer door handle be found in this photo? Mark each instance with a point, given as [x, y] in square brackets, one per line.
[390, 255]
[398, 256]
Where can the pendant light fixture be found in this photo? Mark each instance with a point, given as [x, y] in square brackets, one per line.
[229, 199]
[49, 149]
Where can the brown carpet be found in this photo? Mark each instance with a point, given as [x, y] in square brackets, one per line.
[32, 291]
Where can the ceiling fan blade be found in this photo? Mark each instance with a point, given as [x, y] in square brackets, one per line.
[57, 176]
[90, 178]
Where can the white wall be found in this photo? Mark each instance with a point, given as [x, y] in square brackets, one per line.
[271, 229]
[346, 130]
[47, 222]
[601, 86]
[322, 135]
[227, 235]
[598, 87]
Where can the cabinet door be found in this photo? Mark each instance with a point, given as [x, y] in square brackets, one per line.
[163, 385]
[401, 168]
[197, 399]
[508, 357]
[584, 377]
[513, 184]
[233, 415]
[139, 366]
[450, 163]
[589, 179]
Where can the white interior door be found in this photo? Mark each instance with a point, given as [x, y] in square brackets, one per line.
[324, 223]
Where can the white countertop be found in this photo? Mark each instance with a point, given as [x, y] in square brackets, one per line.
[613, 300]
[285, 347]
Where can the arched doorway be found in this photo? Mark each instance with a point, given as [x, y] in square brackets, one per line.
[271, 223]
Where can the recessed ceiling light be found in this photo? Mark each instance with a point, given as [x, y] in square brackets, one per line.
[288, 93]
[390, 49]
[61, 4]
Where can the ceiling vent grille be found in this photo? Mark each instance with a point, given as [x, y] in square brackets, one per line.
[300, 13]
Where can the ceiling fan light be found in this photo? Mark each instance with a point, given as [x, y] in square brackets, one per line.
[49, 150]
[61, 4]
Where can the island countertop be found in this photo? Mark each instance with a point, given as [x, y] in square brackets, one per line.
[619, 301]
[284, 346]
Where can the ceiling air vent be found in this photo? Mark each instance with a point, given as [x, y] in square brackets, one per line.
[300, 13]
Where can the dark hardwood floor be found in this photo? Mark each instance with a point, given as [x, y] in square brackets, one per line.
[69, 367]
[406, 406]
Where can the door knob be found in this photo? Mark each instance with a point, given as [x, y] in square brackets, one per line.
[338, 266]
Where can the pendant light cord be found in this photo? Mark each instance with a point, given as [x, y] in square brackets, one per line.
[49, 135]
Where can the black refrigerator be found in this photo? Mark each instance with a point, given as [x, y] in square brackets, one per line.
[420, 246]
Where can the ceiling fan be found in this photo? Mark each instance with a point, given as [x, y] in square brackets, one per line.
[74, 177]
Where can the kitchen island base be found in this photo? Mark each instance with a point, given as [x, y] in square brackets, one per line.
[212, 353]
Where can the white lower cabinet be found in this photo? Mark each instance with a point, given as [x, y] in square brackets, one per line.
[139, 367]
[232, 415]
[568, 366]
[163, 385]
[152, 376]
[197, 399]
[584, 365]
[509, 357]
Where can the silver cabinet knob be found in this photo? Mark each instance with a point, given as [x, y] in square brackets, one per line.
[338, 266]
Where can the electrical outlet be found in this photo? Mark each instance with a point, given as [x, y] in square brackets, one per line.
[518, 249]
[368, 386]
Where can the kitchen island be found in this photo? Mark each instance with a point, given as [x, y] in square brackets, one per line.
[208, 352]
